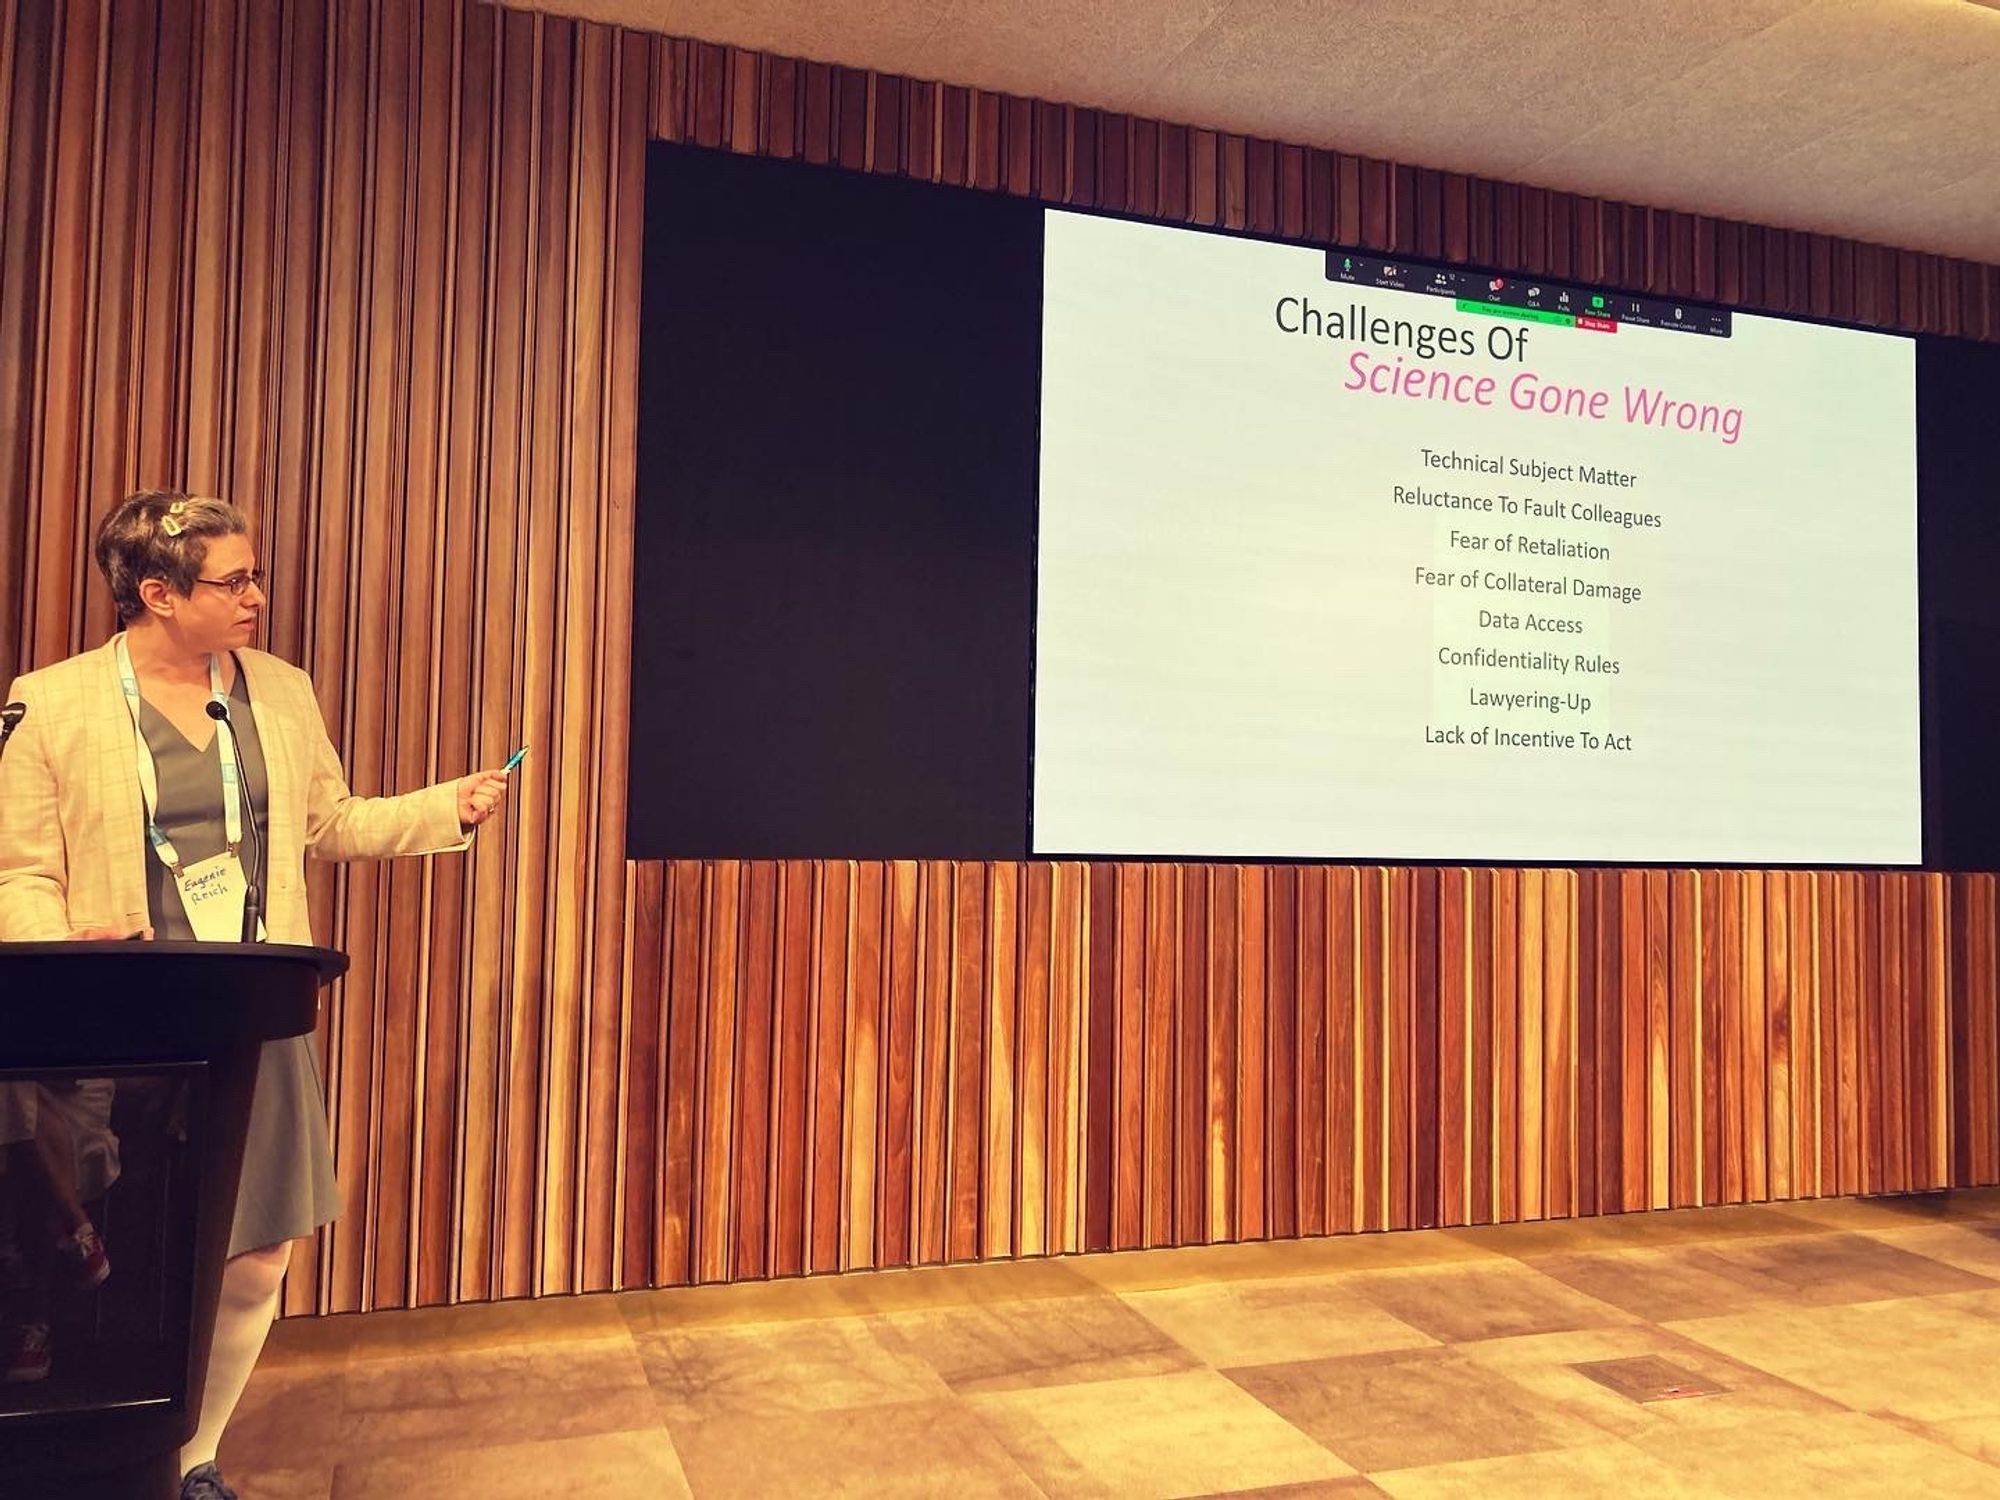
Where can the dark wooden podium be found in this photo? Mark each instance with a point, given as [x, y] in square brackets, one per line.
[181, 1025]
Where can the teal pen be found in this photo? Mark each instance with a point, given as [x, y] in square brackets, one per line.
[514, 760]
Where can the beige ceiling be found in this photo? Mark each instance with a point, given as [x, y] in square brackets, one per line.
[1876, 119]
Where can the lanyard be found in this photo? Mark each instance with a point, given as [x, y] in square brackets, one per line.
[149, 777]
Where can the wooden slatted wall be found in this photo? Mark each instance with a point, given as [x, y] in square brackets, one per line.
[863, 1064]
[370, 269]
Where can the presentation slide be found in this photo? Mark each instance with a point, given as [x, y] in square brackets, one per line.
[1331, 569]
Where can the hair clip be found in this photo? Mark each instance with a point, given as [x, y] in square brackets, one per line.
[170, 523]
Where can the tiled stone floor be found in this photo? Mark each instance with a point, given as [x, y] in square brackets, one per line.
[1846, 1348]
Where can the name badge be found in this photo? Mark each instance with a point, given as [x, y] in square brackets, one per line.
[212, 894]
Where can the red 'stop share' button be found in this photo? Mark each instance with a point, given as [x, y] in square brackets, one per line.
[1597, 325]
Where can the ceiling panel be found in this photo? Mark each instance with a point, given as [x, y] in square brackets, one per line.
[1485, 88]
[1876, 119]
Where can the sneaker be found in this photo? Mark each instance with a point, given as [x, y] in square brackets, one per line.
[82, 1259]
[205, 1482]
[27, 1346]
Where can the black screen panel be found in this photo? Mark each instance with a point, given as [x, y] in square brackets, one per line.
[1958, 565]
[835, 532]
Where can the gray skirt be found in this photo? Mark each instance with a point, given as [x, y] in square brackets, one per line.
[287, 1189]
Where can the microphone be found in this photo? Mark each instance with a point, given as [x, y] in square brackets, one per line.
[10, 720]
[253, 905]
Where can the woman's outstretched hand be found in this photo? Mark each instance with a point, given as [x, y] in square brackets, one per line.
[479, 797]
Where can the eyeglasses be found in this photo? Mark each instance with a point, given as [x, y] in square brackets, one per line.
[236, 583]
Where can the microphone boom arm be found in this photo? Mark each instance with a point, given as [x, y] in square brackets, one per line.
[253, 903]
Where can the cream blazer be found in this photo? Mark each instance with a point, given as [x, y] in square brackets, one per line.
[73, 825]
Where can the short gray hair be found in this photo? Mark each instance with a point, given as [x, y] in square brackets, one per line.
[160, 534]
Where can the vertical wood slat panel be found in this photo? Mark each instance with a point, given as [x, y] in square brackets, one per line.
[1634, 1081]
[1154, 1089]
[1029, 1186]
[1134, 1097]
[1588, 1022]
[1690, 1101]
[1282, 1133]
[1250, 1111]
[1503, 936]
[1374, 1021]
[1000, 1168]
[1451, 1189]
[684, 1072]
[1343, 1053]
[1190, 1089]
[861, 1123]
[1559, 1029]
[1610, 1042]
[1483, 1103]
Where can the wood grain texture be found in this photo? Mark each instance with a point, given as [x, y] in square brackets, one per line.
[1663, 1099]
[371, 270]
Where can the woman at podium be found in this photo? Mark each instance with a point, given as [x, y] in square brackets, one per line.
[157, 782]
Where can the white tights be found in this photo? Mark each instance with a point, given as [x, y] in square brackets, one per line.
[243, 1315]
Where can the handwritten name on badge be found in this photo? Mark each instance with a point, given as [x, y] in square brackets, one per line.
[212, 894]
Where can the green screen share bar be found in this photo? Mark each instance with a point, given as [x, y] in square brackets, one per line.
[1525, 314]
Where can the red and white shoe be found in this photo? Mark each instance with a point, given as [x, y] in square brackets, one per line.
[26, 1346]
[81, 1259]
